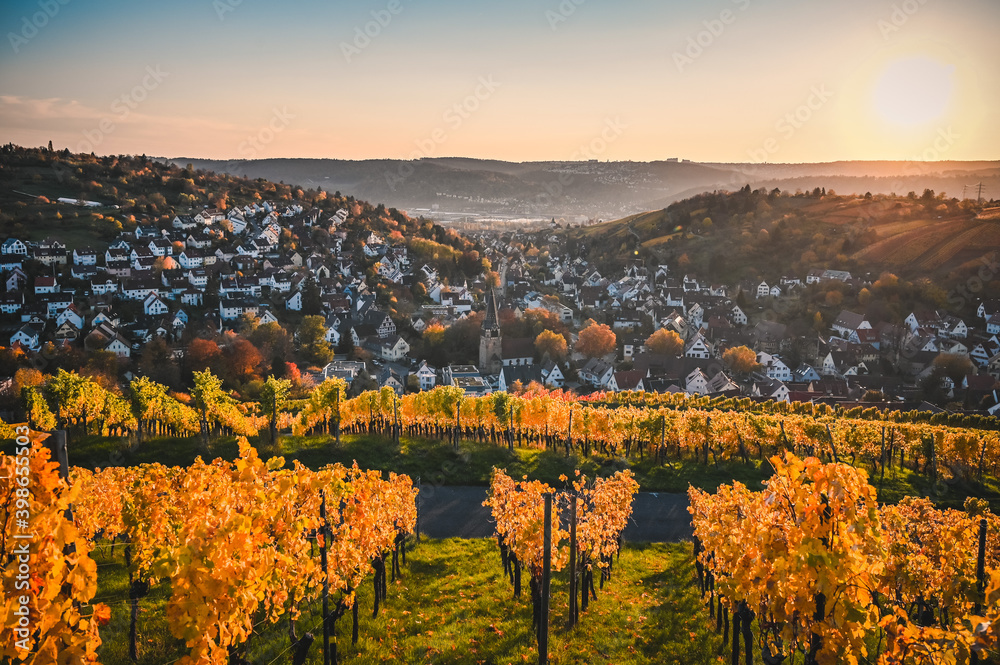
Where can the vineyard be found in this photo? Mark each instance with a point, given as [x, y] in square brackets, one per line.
[831, 576]
[237, 544]
[626, 426]
[232, 553]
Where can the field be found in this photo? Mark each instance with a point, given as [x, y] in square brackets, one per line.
[453, 605]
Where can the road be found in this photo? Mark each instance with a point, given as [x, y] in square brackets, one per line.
[458, 512]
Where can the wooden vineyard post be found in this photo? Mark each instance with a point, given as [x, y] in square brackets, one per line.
[458, 424]
[662, 452]
[543, 621]
[569, 432]
[336, 423]
[981, 567]
[325, 530]
[980, 576]
[395, 417]
[708, 430]
[416, 522]
[573, 612]
[510, 430]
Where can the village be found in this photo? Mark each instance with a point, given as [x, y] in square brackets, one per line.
[209, 272]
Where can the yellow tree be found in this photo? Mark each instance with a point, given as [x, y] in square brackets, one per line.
[551, 343]
[666, 342]
[741, 359]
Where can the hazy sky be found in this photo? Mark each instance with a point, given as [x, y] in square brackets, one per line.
[713, 80]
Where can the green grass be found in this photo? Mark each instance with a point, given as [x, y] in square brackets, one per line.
[439, 463]
[453, 605]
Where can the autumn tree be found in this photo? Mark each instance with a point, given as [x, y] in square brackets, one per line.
[665, 342]
[741, 359]
[538, 319]
[551, 344]
[242, 360]
[202, 354]
[596, 340]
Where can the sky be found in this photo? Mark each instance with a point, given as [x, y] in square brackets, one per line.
[518, 80]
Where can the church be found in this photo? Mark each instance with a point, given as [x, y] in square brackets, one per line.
[490, 348]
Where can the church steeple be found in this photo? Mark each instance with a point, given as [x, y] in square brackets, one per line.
[491, 322]
[490, 343]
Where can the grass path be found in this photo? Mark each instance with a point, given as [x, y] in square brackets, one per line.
[452, 605]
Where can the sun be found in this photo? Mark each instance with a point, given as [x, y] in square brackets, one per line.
[914, 91]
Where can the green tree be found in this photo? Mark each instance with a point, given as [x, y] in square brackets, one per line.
[312, 340]
[146, 399]
[36, 409]
[312, 299]
[273, 397]
[208, 396]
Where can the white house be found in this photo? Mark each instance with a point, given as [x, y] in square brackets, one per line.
[738, 316]
[763, 290]
[154, 306]
[393, 348]
[774, 367]
[14, 246]
[848, 322]
[28, 336]
[426, 376]
[46, 285]
[72, 315]
[626, 380]
[696, 383]
[119, 346]
[552, 375]
[698, 348]
[84, 257]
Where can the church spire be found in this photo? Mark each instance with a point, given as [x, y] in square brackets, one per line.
[491, 321]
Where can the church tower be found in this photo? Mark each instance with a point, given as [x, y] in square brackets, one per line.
[490, 353]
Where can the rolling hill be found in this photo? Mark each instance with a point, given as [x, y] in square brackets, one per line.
[591, 190]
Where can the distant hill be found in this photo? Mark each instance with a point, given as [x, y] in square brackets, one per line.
[594, 190]
[756, 234]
